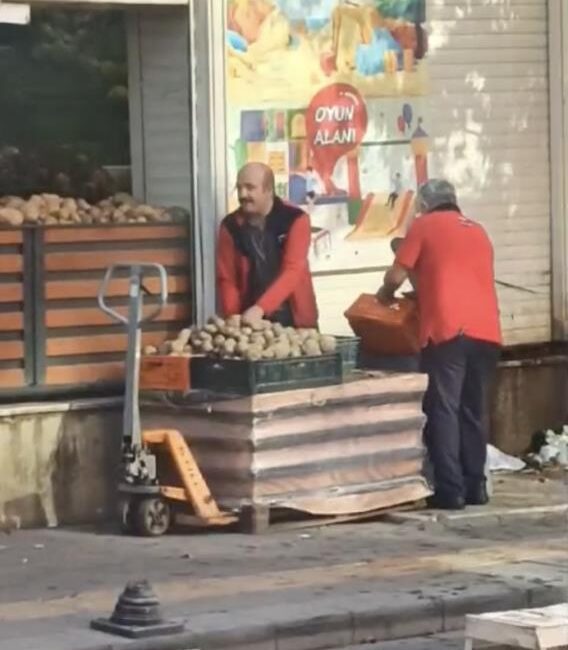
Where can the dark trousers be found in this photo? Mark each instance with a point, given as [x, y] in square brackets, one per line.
[455, 404]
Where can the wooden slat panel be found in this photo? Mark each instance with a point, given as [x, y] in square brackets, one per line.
[11, 321]
[60, 347]
[11, 236]
[11, 378]
[93, 316]
[60, 289]
[11, 263]
[128, 233]
[11, 292]
[85, 261]
[11, 350]
[84, 373]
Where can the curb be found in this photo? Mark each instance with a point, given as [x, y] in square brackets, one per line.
[555, 513]
[364, 619]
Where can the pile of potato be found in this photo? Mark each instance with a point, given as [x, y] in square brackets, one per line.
[51, 209]
[235, 339]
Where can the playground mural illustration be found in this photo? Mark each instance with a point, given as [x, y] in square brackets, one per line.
[331, 94]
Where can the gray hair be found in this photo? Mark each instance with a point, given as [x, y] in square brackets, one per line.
[434, 194]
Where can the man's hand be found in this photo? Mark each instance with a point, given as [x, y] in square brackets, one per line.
[253, 315]
[385, 296]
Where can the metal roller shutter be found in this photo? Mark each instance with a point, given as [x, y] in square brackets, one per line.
[489, 125]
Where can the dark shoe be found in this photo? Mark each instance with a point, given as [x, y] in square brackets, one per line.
[477, 496]
[445, 502]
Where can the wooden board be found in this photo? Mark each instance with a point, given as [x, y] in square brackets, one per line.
[77, 345]
[68, 289]
[77, 317]
[11, 378]
[97, 260]
[131, 233]
[165, 373]
[11, 321]
[11, 236]
[84, 373]
[11, 291]
[11, 263]
[11, 350]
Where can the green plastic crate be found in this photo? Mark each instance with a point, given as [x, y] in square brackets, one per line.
[348, 349]
[240, 377]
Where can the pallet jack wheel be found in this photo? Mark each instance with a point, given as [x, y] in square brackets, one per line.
[151, 517]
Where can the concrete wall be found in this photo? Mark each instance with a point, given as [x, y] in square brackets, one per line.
[57, 462]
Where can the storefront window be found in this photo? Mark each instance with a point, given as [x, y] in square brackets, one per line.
[64, 105]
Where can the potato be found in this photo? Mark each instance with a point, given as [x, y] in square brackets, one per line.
[234, 321]
[246, 331]
[219, 340]
[188, 349]
[295, 351]
[184, 335]
[11, 217]
[122, 198]
[230, 346]
[149, 350]
[207, 347]
[31, 212]
[148, 212]
[269, 336]
[328, 344]
[177, 346]
[83, 205]
[242, 348]
[311, 348]
[14, 202]
[253, 354]
[69, 204]
[269, 353]
[277, 329]
[211, 329]
[282, 350]
[258, 339]
[52, 202]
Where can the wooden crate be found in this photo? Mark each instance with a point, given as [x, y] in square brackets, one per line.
[13, 307]
[165, 373]
[52, 332]
[82, 343]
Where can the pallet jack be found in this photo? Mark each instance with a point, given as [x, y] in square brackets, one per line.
[148, 507]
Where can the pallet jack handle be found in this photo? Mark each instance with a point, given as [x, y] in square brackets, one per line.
[132, 437]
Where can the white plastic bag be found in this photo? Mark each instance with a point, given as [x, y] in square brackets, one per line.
[499, 461]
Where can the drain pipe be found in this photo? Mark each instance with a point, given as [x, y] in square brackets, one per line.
[558, 97]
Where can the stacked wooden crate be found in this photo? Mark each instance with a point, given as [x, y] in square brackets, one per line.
[52, 332]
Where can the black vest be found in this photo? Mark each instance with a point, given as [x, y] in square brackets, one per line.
[264, 270]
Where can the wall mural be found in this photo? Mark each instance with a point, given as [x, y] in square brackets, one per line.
[331, 94]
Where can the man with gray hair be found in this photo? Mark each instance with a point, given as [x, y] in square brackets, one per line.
[450, 260]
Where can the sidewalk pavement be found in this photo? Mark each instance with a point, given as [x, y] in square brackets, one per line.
[319, 588]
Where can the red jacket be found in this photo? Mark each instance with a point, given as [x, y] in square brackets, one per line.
[294, 284]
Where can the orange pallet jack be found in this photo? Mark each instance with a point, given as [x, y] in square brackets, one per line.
[148, 507]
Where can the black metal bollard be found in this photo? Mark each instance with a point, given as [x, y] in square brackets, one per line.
[137, 614]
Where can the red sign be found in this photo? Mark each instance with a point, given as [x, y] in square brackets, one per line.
[336, 121]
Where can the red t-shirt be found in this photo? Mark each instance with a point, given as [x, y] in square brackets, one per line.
[452, 258]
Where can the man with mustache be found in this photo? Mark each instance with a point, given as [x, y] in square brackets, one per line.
[262, 255]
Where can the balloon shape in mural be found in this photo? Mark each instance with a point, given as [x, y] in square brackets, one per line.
[401, 124]
[336, 122]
